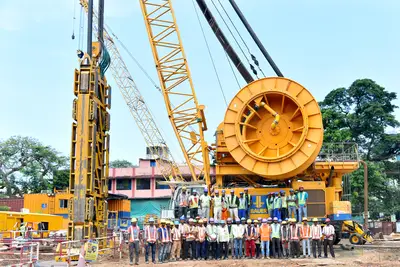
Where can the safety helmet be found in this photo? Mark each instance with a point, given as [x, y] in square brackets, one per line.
[264, 220]
[279, 221]
[282, 192]
[151, 219]
[176, 223]
[182, 217]
[243, 219]
[255, 221]
[211, 220]
[223, 190]
[269, 219]
[184, 188]
[198, 217]
[259, 219]
[200, 221]
[216, 192]
[246, 189]
[216, 221]
[301, 187]
[162, 221]
[275, 218]
[205, 190]
[248, 221]
[237, 221]
[305, 219]
[284, 222]
[276, 193]
[315, 219]
[241, 193]
[194, 221]
[133, 220]
[291, 190]
[194, 192]
[229, 219]
[232, 191]
[327, 220]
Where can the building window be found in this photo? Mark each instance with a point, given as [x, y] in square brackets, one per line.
[124, 184]
[161, 186]
[63, 203]
[152, 163]
[143, 184]
[109, 184]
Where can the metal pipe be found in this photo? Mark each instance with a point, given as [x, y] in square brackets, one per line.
[101, 21]
[90, 28]
[255, 38]
[224, 42]
[365, 194]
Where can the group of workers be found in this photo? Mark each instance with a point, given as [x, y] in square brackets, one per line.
[202, 239]
[223, 206]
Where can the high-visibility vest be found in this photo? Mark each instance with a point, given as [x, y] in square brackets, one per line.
[202, 233]
[302, 198]
[270, 203]
[276, 230]
[316, 231]
[134, 233]
[277, 203]
[194, 202]
[176, 234]
[217, 202]
[205, 201]
[265, 232]
[284, 232]
[305, 231]
[284, 202]
[151, 235]
[232, 201]
[183, 200]
[249, 232]
[242, 203]
[293, 202]
[248, 199]
[293, 232]
[190, 235]
[165, 237]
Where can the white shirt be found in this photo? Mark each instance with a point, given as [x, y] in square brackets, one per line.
[223, 234]
[316, 231]
[328, 230]
[205, 201]
[237, 231]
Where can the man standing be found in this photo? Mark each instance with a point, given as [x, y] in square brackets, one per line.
[194, 204]
[284, 208]
[247, 196]
[238, 232]
[285, 239]
[277, 205]
[204, 203]
[163, 240]
[176, 239]
[233, 203]
[294, 235]
[223, 239]
[134, 238]
[328, 232]
[302, 201]
[305, 231]
[190, 239]
[231, 242]
[265, 235]
[316, 235]
[257, 237]
[201, 245]
[242, 206]
[292, 206]
[270, 204]
[150, 238]
[276, 239]
[212, 235]
[250, 244]
[183, 202]
[217, 206]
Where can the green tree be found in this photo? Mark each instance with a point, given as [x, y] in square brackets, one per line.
[61, 179]
[121, 164]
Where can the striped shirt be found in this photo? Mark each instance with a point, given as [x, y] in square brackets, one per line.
[328, 232]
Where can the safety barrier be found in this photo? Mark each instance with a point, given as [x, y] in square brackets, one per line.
[31, 234]
[19, 254]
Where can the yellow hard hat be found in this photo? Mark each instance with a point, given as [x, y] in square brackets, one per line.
[284, 222]
[133, 220]
[162, 221]
[315, 220]
[305, 219]
[171, 223]
[248, 221]
[255, 221]
[183, 187]
[200, 221]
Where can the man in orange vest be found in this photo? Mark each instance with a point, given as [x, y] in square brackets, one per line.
[150, 238]
[183, 201]
[176, 239]
[163, 240]
[305, 237]
[201, 247]
[294, 236]
[134, 241]
[190, 237]
[316, 235]
[265, 236]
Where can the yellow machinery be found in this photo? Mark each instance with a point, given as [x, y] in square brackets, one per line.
[272, 133]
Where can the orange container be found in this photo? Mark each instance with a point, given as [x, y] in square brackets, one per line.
[119, 205]
[340, 207]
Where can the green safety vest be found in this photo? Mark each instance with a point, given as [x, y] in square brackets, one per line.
[277, 203]
[284, 202]
[232, 201]
[248, 199]
[302, 198]
[270, 203]
[291, 203]
[276, 230]
[242, 203]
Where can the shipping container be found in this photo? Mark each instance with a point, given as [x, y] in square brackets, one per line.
[119, 205]
[47, 203]
[15, 203]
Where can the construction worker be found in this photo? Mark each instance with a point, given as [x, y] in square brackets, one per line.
[257, 237]
[134, 240]
[150, 238]
[285, 239]
[212, 235]
[237, 233]
[277, 205]
[170, 226]
[163, 241]
[201, 241]
[22, 229]
[284, 206]
[302, 202]
[247, 196]
[250, 242]
[276, 239]
[244, 225]
[242, 206]
[217, 202]
[265, 236]
[177, 244]
[233, 203]
[328, 232]
[305, 233]
[316, 235]
[292, 206]
[190, 240]
[294, 236]
[270, 204]
[231, 244]
[204, 203]
[183, 201]
[194, 204]
[223, 240]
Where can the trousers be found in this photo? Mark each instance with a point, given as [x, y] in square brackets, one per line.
[238, 244]
[295, 248]
[276, 247]
[250, 248]
[212, 250]
[306, 245]
[194, 212]
[257, 250]
[192, 246]
[292, 212]
[265, 248]
[234, 213]
[232, 246]
[183, 211]
[284, 213]
[217, 213]
[316, 243]
[201, 248]
[152, 247]
[163, 251]
[302, 212]
[242, 213]
[205, 212]
[285, 249]
[134, 248]
[222, 250]
[277, 213]
[176, 249]
[330, 244]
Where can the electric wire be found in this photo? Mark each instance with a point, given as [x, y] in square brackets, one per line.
[209, 53]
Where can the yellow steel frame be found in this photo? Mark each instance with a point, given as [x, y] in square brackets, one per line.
[89, 153]
[177, 86]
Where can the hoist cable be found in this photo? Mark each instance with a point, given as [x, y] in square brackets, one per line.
[233, 71]
[209, 53]
[73, 21]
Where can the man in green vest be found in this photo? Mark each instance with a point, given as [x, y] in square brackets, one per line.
[284, 210]
[247, 196]
[233, 203]
[276, 239]
[302, 201]
[277, 205]
[270, 205]
[242, 206]
[292, 206]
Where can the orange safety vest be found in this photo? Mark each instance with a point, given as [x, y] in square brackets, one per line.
[293, 233]
[183, 200]
[305, 231]
[190, 235]
[176, 234]
[165, 236]
[316, 231]
[134, 236]
[151, 237]
[194, 202]
[265, 231]
[202, 233]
